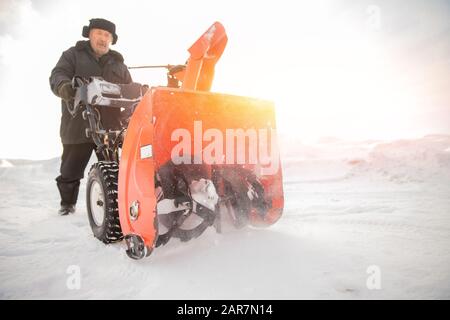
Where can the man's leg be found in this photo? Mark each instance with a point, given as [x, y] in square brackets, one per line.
[74, 160]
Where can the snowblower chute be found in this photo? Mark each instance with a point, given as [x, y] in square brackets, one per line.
[191, 157]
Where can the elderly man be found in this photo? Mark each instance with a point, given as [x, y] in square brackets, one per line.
[85, 59]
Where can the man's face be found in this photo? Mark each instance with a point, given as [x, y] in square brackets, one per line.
[100, 41]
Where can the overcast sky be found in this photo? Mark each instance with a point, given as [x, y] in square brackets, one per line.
[351, 69]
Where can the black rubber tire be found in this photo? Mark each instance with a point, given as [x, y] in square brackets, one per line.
[106, 174]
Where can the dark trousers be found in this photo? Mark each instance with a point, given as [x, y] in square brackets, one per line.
[74, 160]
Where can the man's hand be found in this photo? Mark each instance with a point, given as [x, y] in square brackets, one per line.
[65, 91]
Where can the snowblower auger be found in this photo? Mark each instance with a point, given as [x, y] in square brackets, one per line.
[188, 157]
[191, 156]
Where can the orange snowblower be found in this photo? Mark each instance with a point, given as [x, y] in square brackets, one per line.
[182, 159]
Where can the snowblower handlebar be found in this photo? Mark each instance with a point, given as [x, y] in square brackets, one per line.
[166, 66]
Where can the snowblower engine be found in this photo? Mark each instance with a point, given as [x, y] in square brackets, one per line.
[178, 159]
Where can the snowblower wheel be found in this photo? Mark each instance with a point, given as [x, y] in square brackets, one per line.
[101, 200]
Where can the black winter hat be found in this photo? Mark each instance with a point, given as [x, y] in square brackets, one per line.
[103, 24]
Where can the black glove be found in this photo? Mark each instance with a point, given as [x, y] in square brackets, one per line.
[65, 91]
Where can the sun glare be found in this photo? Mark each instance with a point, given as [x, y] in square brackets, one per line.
[345, 84]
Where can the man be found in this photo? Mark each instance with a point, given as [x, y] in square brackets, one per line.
[85, 59]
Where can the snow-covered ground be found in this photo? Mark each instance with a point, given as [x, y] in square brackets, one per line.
[362, 212]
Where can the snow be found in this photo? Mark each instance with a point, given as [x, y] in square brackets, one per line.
[5, 164]
[350, 205]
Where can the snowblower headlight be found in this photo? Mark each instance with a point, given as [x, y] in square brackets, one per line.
[110, 89]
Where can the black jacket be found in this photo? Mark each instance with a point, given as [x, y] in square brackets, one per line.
[81, 61]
